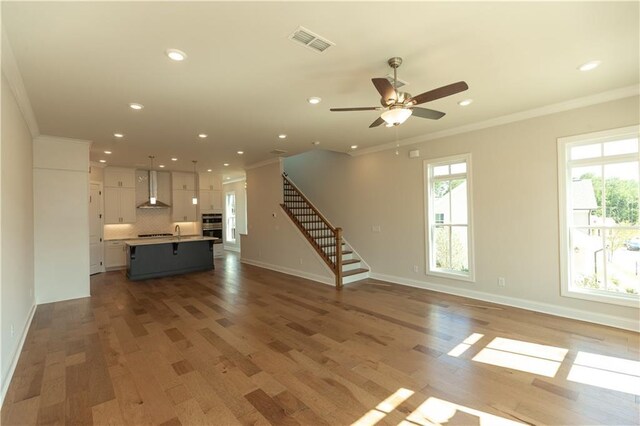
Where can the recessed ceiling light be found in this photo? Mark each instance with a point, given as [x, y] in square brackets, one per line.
[161, 166]
[103, 161]
[176, 55]
[282, 136]
[465, 102]
[227, 178]
[354, 146]
[136, 106]
[174, 159]
[591, 65]
[209, 170]
[202, 135]
[107, 152]
[118, 135]
[240, 152]
[226, 164]
[315, 143]
[314, 100]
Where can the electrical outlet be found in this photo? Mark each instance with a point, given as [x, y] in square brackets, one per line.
[301, 261]
[415, 269]
[13, 331]
[501, 282]
[376, 228]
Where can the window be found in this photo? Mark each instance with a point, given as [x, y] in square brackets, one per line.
[599, 187]
[449, 236]
[230, 210]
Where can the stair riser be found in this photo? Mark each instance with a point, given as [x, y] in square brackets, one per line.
[356, 277]
[351, 266]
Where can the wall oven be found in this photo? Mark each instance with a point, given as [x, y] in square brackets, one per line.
[212, 225]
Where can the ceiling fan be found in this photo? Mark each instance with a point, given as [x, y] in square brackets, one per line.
[398, 106]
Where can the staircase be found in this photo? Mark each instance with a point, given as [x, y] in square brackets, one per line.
[325, 238]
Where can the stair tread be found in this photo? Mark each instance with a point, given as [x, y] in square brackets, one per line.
[350, 261]
[327, 245]
[354, 272]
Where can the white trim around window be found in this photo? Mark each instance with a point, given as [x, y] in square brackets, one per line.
[566, 212]
[435, 219]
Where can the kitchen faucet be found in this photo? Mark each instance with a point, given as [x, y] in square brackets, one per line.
[177, 228]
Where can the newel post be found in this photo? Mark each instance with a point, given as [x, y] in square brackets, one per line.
[338, 258]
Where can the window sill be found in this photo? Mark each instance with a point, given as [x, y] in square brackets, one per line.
[612, 299]
[452, 276]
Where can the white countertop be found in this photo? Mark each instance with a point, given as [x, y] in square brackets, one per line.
[166, 240]
[148, 238]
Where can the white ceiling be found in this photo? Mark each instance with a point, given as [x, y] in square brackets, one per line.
[244, 82]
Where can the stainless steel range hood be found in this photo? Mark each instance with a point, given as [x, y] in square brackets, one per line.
[153, 202]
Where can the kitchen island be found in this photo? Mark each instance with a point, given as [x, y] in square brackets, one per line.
[161, 257]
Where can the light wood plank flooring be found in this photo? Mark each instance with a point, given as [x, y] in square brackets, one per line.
[244, 345]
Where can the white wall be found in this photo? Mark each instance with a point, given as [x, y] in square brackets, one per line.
[241, 212]
[515, 196]
[61, 225]
[16, 229]
[272, 240]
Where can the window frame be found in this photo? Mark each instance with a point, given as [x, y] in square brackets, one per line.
[227, 217]
[565, 164]
[430, 216]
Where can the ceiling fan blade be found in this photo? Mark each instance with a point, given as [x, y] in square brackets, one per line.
[376, 123]
[427, 113]
[385, 89]
[355, 109]
[440, 92]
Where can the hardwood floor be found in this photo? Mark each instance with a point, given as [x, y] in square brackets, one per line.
[244, 345]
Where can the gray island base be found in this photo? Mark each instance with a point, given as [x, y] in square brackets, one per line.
[165, 257]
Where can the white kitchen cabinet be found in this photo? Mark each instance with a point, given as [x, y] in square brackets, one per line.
[119, 205]
[210, 193]
[210, 201]
[210, 181]
[116, 177]
[115, 254]
[184, 181]
[182, 207]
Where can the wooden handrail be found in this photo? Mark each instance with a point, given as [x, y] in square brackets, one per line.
[326, 222]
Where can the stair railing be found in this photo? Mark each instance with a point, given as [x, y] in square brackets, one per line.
[324, 237]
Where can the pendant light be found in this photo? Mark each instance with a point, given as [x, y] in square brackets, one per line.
[194, 200]
[152, 196]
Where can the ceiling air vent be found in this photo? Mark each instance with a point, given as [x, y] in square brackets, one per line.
[400, 82]
[310, 40]
[278, 152]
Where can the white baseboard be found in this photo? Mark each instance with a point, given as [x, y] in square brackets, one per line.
[290, 271]
[232, 248]
[16, 355]
[545, 308]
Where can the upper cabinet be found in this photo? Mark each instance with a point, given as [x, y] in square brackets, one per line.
[119, 195]
[183, 190]
[210, 181]
[116, 177]
[184, 181]
[210, 193]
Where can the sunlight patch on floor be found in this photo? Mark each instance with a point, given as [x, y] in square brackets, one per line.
[466, 344]
[523, 356]
[606, 372]
[439, 411]
[384, 408]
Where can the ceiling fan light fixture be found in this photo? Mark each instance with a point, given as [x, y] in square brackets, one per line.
[396, 116]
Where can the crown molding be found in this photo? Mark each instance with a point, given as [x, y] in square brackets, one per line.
[44, 138]
[263, 163]
[598, 98]
[240, 179]
[96, 164]
[14, 79]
